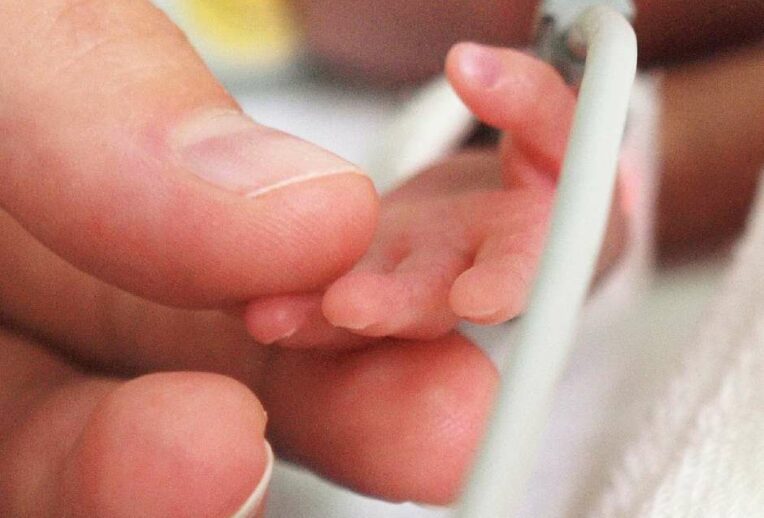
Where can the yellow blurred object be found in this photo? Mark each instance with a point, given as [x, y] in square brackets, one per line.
[249, 29]
[239, 38]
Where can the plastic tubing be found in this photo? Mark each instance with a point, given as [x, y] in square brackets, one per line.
[507, 457]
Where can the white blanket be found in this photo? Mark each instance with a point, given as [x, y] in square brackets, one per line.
[702, 454]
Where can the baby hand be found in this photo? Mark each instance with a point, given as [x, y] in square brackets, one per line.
[461, 240]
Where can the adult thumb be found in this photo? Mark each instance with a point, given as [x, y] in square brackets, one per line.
[122, 154]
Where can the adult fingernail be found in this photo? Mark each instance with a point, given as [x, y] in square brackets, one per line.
[228, 149]
[480, 65]
[251, 507]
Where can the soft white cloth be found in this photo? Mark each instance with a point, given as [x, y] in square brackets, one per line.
[702, 454]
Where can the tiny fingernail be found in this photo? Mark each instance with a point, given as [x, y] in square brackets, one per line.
[251, 507]
[354, 323]
[228, 149]
[278, 337]
[480, 65]
[355, 326]
[485, 316]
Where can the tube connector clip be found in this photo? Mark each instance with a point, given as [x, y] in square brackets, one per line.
[553, 43]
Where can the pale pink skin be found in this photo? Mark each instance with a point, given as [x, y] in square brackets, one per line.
[460, 241]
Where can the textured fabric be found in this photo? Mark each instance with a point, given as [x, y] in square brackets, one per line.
[702, 454]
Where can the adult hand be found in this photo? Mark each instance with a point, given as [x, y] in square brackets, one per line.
[126, 174]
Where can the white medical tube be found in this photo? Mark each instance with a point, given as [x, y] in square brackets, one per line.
[507, 457]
